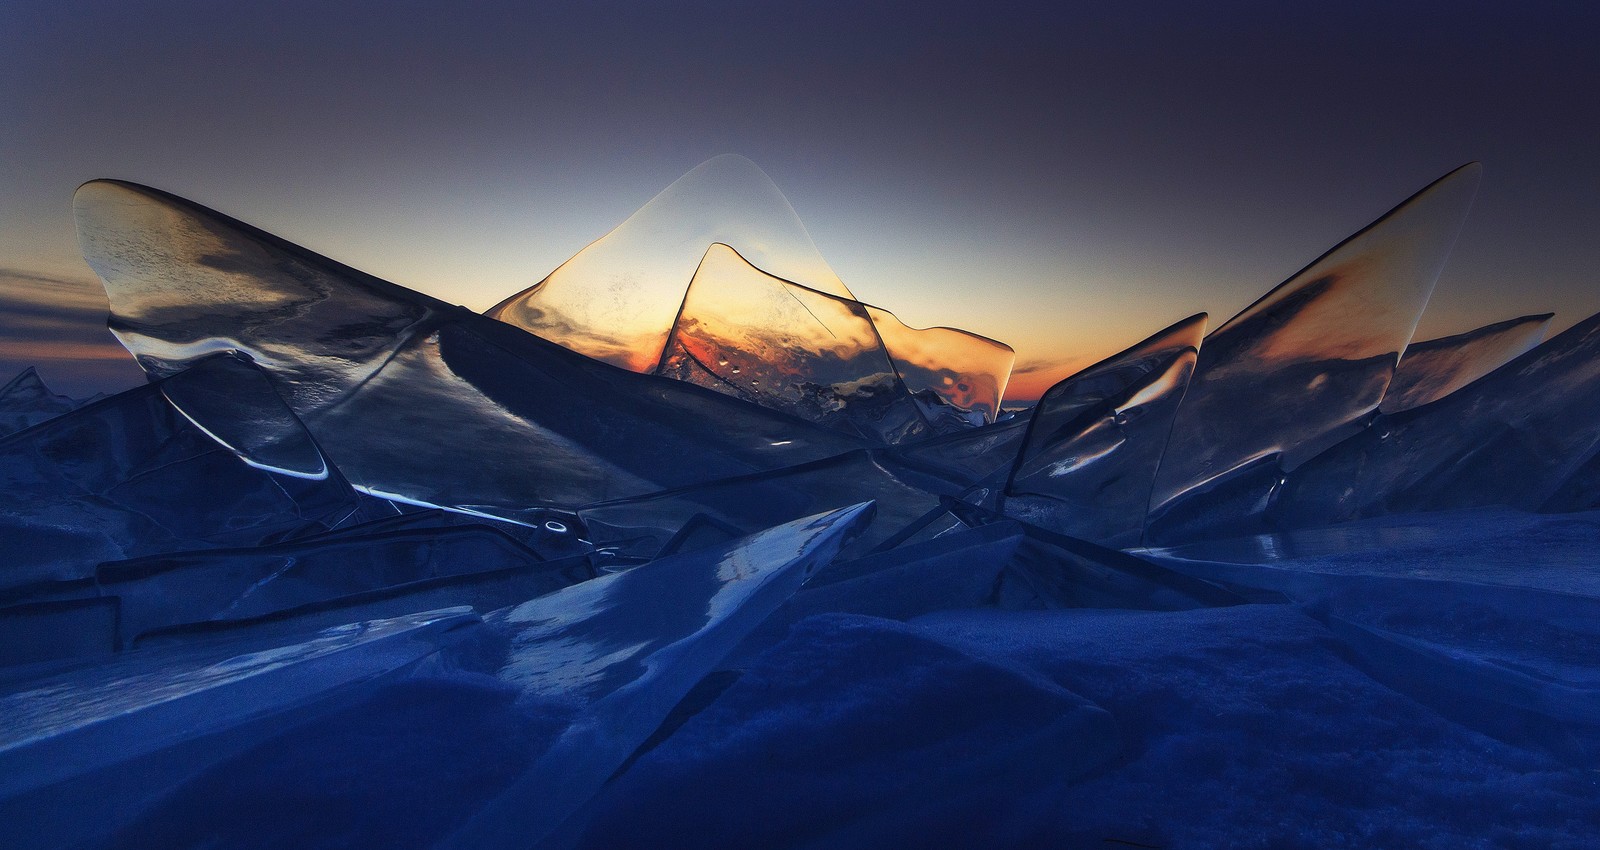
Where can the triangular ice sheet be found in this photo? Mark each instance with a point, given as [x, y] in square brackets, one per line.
[1305, 364]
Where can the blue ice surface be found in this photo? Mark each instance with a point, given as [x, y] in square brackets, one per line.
[446, 728]
[1246, 726]
[1427, 683]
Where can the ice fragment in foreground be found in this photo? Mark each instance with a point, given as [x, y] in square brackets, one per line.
[83, 751]
[234, 585]
[641, 527]
[621, 650]
[130, 476]
[1096, 438]
[1304, 365]
[1514, 438]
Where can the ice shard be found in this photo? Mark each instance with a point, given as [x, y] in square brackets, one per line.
[1306, 364]
[784, 346]
[615, 299]
[1090, 455]
[130, 476]
[25, 401]
[1516, 438]
[958, 377]
[619, 652]
[1433, 369]
[411, 398]
[235, 404]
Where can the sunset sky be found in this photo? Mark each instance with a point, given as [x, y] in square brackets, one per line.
[1067, 180]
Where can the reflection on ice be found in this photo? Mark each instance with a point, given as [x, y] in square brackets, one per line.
[1091, 452]
[621, 650]
[1519, 437]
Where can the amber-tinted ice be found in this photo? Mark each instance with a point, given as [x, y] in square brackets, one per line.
[771, 342]
[958, 377]
[615, 299]
[1431, 370]
[1517, 438]
[1307, 362]
[412, 398]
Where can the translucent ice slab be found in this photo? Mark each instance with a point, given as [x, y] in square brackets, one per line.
[1515, 438]
[234, 402]
[1436, 368]
[958, 377]
[412, 398]
[130, 476]
[1090, 456]
[615, 299]
[783, 346]
[1305, 364]
[621, 650]
[25, 401]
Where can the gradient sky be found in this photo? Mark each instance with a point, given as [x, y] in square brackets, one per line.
[1068, 181]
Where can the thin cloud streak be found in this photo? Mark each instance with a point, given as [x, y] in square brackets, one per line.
[58, 325]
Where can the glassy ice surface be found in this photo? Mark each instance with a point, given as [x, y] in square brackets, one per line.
[409, 396]
[130, 476]
[957, 377]
[1514, 438]
[115, 739]
[1095, 440]
[615, 299]
[771, 342]
[1306, 363]
[1433, 369]
[25, 401]
[234, 402]
[1455, 609]
[621, 650]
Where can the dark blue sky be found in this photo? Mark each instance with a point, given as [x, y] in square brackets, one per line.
[1068, 180]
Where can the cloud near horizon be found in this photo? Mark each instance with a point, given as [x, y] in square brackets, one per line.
[58, 325]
